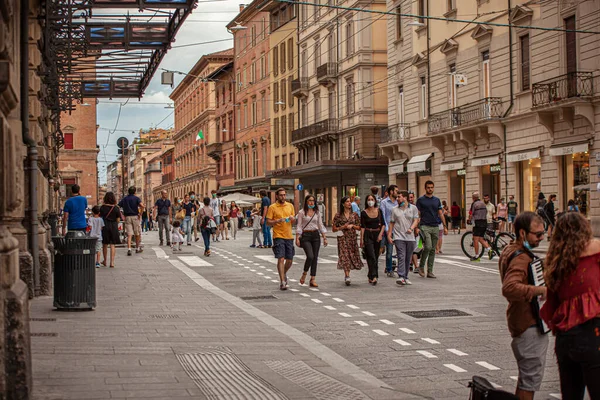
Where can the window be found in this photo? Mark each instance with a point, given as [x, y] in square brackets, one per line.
[398, 23]
[291, 126]
[303, 114]
[485, 74]
[262, 67]
[218, 128]
[421, 10]
[230, 163]
[264, 28]
[245, 115]
[284, 161]
[331, 47]
[276, 132]
[254, 162]
[350, 143]
[277, 162]
[275, 96]
[246, 166]
[450, 5]
[317, 53]
[331, 151]
[263, 105]
[223, 94]
[284, 131]
[238, 81]
[238, 169]
[525, 76]
[292, 159]
[68, 140]
[350, 100]
[254, 110]
[318, 152]
[317, 105]
[452, 86]
[423, 98]
[238, 117]
[349, 38]
[230, 91]
[283, 55]
[284, 90]
[253, 32]
[401, 104]
[253, 72]
[230, 128]
[331, 104]
[290, 54]
[275, 61]
[217, 96]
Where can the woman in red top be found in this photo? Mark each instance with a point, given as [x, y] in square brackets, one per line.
[456, 218]
[572, 310]
[233, 218]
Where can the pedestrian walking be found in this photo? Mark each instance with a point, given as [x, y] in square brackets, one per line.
[403, 222]
[264, 206]
[145, 223]
[550, 212]
[356, 205]
[478, 216]
[512, 211]
[111, 215]
[176, 236]
[131, 205]
[162, 212]
[215, 204]
[455, 214]
[234, 214]
[256, 229]
[309, 229]
[386, 207]
[529, 343]
[431, 214]
[176, 210]
[224, 221]
[572, 309]
[206, 215]
[280, 216]
[190, 209]
[96, 223]
[490, 212]
[74, 212]
[195, 221]
[375, 193]
[502, 214]
[416, 256]
[248, 218]
[371, 235]
[348, 222]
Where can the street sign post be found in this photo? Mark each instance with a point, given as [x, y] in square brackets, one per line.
[300, 186]
[122, 143]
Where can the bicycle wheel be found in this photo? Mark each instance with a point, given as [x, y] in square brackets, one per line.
[468, 246]
[502, 240]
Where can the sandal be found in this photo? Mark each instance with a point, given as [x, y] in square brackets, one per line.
[312, 282]
[374, 281]
[303, 278]
[112, 266]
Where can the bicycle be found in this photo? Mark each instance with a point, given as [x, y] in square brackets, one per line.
[497, 242]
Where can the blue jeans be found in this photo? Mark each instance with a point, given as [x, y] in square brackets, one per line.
[267, 240]
[389, 250]
[206, 238]
[186, 227]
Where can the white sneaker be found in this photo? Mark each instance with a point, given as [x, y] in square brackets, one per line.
[407, 281]
[401, 281]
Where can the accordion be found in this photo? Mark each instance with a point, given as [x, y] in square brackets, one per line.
[536, 278]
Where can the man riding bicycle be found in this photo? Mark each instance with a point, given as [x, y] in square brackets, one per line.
[479, 213]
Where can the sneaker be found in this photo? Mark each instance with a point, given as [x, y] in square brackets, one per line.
[218, 240]
[129, 252]
[431, 275]
[347, 281]
[475, 259]
[97, 265]
[401, 281]
[161, 243]
[168, 243]
[189, 244]
[139, 250]
[286, 282]
[421, 272]
[491, 254]
[282, 286]
[195, 240]
[407, 281]
[252, 245]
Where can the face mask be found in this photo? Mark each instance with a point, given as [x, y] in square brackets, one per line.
[311, 207]
[181, 201]
[214, 196]
[193, 197]
[527, 245]
[371, 203]
[402, 204]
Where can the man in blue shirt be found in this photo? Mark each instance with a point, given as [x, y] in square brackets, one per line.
[432, 215]
[162, 213]
[264, 206]
[386, 207]
[74, 212]
[356, 205]
[132, 207]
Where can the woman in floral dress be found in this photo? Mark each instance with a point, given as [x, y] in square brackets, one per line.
[348, 222]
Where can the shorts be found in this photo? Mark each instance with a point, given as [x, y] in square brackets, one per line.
[132, 225]
[479, 228]
[218, 220]
[530, 352]
[283, 248]
[98, 245]
[511, 218]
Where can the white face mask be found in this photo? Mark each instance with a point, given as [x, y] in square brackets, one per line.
[371, 203]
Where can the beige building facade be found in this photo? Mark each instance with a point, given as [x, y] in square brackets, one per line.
[499, 110]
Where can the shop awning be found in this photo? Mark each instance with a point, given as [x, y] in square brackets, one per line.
[397, 167]
[452, 165]
[418, 163]
[523, 155]
[489, 160]
[566, 149]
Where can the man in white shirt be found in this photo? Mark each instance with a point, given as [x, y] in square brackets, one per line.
[403, 222]
[215, 204]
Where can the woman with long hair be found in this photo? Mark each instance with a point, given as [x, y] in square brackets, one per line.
[111, 214]
[371, 234]
[206, 213]
[572, 308]
[234, 214]
[348, 254]
[309, 226]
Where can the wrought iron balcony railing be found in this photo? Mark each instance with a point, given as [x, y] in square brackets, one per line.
[154, 168]
[307, 132]
[479, 111]
[300, 87]
[327, 72]
[396, 132]
[573, 84]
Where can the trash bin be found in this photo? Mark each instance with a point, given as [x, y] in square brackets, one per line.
[74, 271]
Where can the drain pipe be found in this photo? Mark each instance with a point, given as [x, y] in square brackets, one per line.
[429, 67]
[510, 107]
[32, 152]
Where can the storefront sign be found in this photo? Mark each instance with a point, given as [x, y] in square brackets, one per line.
[478, 162]
[452, 166]
[568, 149]
[461, 172]
[280, 172]
[283, 182]
[495, 168]
[369, 176]
[396, 169]
[523, 156]
[418, 163]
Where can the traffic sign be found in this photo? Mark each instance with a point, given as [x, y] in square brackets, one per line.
[122, 142]
[300, 186]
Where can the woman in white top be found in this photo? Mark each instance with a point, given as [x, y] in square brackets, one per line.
[309, 227]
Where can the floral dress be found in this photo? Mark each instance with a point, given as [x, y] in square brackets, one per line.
[348, 253]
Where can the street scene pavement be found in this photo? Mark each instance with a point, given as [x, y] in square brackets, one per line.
[175, 325]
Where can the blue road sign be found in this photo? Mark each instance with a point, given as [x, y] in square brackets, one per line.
[300, 186]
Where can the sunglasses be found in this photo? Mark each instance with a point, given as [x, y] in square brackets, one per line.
[539, 234]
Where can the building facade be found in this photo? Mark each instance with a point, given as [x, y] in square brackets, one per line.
[342, 101]
[196, 127]
[113, 177]
[495, 109]
[152, 178]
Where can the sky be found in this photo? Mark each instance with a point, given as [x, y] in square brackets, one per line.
[206, 23]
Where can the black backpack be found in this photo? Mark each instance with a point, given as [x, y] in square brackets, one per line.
[482, 389]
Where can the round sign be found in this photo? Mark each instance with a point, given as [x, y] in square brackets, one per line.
[300, 186]
[122, 142]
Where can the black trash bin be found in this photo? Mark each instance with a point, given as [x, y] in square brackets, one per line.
[74, 271]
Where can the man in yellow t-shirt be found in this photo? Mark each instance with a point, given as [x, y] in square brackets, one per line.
[280, 216]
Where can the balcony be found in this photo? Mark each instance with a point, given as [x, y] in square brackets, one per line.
[214, 150]
[394, 133]
[557, 89]
[486, 109]
[300, 87]
[327, 74]
[153, 168]
[319, 132]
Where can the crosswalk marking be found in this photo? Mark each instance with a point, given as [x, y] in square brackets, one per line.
[361, 323]
[160, 253]
[556, 395]
[406, 330]
[401, 342]
[195, 261]
[317, 301]
[325, 294]
[352, 306]
[455, 368]
[387, 322]
[269, 259]
[380, 332]
[426, 354]
[345, 315]
[487, 365]
[369, 313]
[321, 260]
[338, 300]
[428, 340]
[457, 352]
[330, 308]
[468, 266]
[304, 295]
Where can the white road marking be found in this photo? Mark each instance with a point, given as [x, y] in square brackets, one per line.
[362, 323]
[455, 368]
[556, 395]
[332, 308]
[314, 290]
[269, 259]
[325, 294]
[317, 301]
[292, 280]
[293, 290]
[387, 322]
[429, 340]
[369, 313]
[160, 253]
[334, 256]
[267, 277]
[274, 281]
[260, 266]
[457, 352]
[380, 332]
[514, 378]
[468, 266]
[406, 330]
[487, 365]
[247, 267]
[401, 342]
[304, 294]
[352, 306]
[259, 273]
[252, 270]
[426, 354]
[320, 261]
[338, 300]
[195, 261]
[495, 385]
[345, 315]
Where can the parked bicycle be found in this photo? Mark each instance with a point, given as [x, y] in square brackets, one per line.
[497, 242]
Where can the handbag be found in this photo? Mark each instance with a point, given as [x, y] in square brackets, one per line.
[482, 389]
[212, 225]
[180, 214]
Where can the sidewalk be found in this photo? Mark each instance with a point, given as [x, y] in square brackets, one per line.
[161, 330]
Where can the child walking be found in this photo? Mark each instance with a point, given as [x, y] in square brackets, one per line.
[256, 229]
[176, 235]
[96, 224]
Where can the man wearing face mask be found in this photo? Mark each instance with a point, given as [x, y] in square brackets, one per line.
[529, 344]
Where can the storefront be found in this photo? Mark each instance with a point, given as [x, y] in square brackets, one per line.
[529, 175]
[456, 183]
[398, 173]
[490, 169]
[420, 164]
[574, 164]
